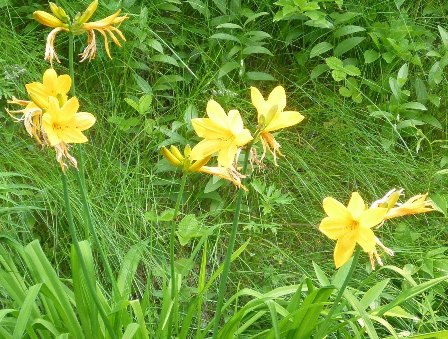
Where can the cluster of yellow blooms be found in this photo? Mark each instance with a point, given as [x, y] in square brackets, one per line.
[224, 135]
[60, 21]
[51, 117]
[53, 120]
[353, 224]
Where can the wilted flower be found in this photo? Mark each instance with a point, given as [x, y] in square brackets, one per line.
[271, 117]
[223, 134]
[60, 21]
[415, 205]
[351, 225]
[184, 162]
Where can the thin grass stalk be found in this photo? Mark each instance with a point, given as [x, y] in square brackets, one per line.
[93, 232]
[174, 293]
[91, 288]
[227, 260]
[327, 321]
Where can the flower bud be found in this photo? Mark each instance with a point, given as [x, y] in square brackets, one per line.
[59, 12]
[84, 17]
[47, 19]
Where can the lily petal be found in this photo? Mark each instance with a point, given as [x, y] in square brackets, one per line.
[226, 155]
[372, 217]
[277, 97]
[72, 135]
[333, 228]
[344, 249]
[335, 209]
[356, 205]
[205, 148]
[284, 119]
[83, 121]
[366, 239]
[217, 114]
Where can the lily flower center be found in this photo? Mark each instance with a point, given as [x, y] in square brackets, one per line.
[352, 226]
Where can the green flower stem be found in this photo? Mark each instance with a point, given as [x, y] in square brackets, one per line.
[326, 323]
[81, 181]
[90, 286]
[174, 295]
[71, 63]
[227, 260]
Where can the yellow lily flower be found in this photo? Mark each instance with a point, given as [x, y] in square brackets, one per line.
[415, 205]
[351, 225]
[60, 21]
[223, 134]
[64, 125]
[183, 161]
[272, 117]
[52, 85]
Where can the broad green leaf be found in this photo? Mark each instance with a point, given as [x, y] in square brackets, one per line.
[130, 331]
[398, 312]
[371, 55]
[320, 48]
[347, 44]
[345, 92]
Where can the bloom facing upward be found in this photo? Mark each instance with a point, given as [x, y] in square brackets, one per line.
[223, 134]
[272, 117]
[183, 161]
[60, 21]
[351, 225]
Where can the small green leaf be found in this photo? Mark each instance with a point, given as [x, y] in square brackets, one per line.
[320, 48]
[414, 105]
[318, 70]
[189, 228]
[435, 73]
[345, 92]
[227, 68]
[334, 63]
[155, 45]
[256, 50]
[349, 29]
[443, 36]
[225, 36]
[338, 75]
[370, 56]
[352, 70]
[260, 76]
[402, 76]
[229, 25]
[165, 59]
